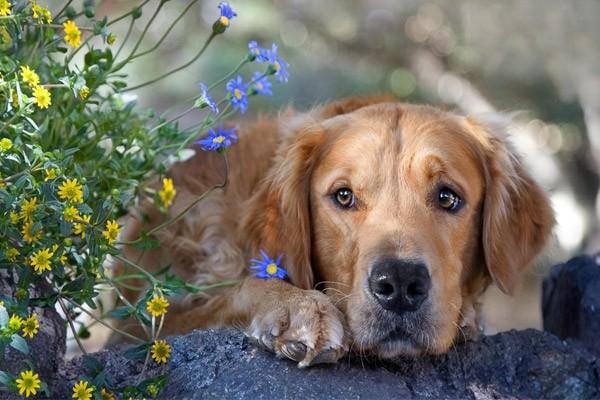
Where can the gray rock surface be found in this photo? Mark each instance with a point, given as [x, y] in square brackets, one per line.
[223, 364]
[571, 301]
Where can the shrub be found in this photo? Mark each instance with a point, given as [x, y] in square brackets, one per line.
[75, 154]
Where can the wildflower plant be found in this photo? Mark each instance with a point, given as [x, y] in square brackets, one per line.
[75, 155]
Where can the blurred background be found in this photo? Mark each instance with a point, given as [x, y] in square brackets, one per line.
[538, 58]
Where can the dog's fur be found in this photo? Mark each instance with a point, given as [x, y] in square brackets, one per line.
[282, 175]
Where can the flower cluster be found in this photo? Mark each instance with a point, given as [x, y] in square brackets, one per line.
[75, 155]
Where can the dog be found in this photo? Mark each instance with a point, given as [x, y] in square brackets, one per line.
[391, 220]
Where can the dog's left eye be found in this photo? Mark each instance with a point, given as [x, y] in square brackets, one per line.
[448, 200]
[344, 198]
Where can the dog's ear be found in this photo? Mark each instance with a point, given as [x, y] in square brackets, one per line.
[278, 215]
[517, 216]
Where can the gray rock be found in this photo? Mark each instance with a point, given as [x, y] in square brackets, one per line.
[223, 364]
[571, 301]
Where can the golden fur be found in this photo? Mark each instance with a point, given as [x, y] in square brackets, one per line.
[278, 198]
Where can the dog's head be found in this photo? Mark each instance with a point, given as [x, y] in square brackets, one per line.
[403, 214]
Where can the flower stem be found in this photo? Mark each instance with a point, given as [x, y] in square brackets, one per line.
[114, 21]
[70, 321]
[190, 62]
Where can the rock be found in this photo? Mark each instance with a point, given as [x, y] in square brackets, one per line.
[571, 301]
[223, 364]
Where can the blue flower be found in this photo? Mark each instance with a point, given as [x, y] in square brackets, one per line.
[261, 84]
[218, 139]
[227, 13]
[205, 99]
[258, 53]
[267, 268]
[278, 65]
[238, 91]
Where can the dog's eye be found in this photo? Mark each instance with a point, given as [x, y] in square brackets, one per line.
[448, 200]
[344, 198]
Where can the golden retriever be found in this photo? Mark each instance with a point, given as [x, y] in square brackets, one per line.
[392, 220]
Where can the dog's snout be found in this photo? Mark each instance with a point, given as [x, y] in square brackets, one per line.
[399, 285]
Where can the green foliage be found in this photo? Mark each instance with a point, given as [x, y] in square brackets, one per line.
[75, 154]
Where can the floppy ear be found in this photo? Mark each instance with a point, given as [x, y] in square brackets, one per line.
[517, 216]
[278, 217]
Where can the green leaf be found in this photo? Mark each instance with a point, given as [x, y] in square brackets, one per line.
[123, 312]
[137, 352]
[3, 317]
[5, 378]
[18, 343]
[92, 365]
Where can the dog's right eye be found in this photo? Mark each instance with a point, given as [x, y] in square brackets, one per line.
[344, 198]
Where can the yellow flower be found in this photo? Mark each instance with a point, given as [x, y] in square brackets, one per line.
[28, 383]
[71, 190]
[14, 323]
[50, 174]
[152, 390]
[5, 144]
[42, 97]
[5, 36]
[40, 260]
[112, 231]
[72, 33]
[161, 351]
[157, 306]
[28, 208]
[168, 192]
[63, 258]
[14, 217]
[106, 395]
[111, 39]
[29, 76]
[11, 254]
[84, 92]
[5, 8]
[40, 14]
[31, 326]
[70, 213]
[28, 233]
[79, 228]
[81, 391]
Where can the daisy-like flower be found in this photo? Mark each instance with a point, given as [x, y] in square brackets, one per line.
[11, 254]
[71, 190]
[40, 260]
[161, 351]
[5, 8]
[237, 90]
[30, 326]
[112, 231]
[28, 383]
[29, 76]
[218, 139]
[42, 97]
[277, 65]
[79, 227]
[72, 33]
[29, 234]
[168, 192]
[205, 100]
[5, 144]
[82, 391]
[256, 52]
[84, 92]
[261, 84]
[157, 306]
[267, 268]
[28, 208]
[227, 13]
[40, 14]
[70, 213]
[106, 395]
[50, 174]
[14, 323]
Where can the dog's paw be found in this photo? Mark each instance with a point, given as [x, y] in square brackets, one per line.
[305, 327]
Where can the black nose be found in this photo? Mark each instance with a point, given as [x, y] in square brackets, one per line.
[399, 285]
